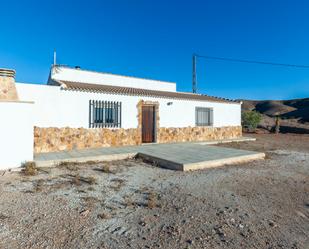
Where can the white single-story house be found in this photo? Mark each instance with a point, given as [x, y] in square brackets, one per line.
[80, 109]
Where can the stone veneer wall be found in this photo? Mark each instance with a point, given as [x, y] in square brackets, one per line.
[199, 133]
[59, 139]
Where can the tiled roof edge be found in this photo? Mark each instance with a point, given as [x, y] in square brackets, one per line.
[79, 86]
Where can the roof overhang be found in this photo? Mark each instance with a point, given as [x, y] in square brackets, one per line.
[85, 87]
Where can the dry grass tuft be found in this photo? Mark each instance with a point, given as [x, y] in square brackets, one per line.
[78, 180]
[39, 185]
[72, 166]
[90, 188]
[152, 200]
[90, 201]
[104, 216]
[128, 202]
[81, 191]
[105, 168]
[29, 169]
[65, 163]
[91, 162]
[59, 185]
[3, 217]
[268, 155]
[118, 183]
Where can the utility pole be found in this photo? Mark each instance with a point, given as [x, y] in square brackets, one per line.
[194, 83]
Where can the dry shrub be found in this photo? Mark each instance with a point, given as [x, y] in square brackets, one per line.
[29, 169]
[91, 180]
[76, 180]
[39, 185]
[106, 168]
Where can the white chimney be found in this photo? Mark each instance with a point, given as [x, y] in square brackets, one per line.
[7, 85]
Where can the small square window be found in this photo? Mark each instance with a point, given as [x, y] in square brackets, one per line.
[203, 116]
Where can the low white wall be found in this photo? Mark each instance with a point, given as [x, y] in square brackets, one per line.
[61, 108]
[16, 133]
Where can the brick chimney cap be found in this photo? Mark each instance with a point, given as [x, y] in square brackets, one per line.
[5, 72]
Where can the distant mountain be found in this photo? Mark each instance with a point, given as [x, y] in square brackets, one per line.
[287, 109]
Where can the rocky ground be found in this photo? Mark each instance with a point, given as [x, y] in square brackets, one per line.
[131, 204]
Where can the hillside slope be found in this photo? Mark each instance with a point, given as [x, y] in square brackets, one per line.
[287, 109]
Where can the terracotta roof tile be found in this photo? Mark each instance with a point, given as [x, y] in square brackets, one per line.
[78, 86]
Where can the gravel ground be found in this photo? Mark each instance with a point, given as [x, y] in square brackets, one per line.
[131, 204]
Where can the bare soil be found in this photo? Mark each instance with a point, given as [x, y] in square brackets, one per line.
[271, 142]
[131, 204]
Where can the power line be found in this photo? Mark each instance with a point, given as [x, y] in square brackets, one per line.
[251, 61]
[195, 56]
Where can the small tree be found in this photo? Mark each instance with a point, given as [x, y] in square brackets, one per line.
[277, 126]
[251, 119]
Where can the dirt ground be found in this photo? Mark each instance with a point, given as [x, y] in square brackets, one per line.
[271, 142]
[131, 204]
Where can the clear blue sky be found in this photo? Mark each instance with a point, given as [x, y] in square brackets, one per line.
[156, 39]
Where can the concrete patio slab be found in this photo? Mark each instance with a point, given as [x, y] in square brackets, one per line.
[176, 156]
[200, 157]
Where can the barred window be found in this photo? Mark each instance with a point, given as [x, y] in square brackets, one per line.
[104, 114]
[203, 116]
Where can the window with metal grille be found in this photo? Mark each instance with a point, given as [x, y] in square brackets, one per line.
[104, 114]
[203, 116]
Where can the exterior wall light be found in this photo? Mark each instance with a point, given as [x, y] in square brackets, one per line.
[169, 103]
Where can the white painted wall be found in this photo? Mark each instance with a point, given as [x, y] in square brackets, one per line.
[84, 76]
[59, 108]
[16, 133]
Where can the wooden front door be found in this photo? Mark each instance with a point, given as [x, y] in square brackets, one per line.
[148, 124]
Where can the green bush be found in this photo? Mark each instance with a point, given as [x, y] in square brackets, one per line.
[251, 119]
